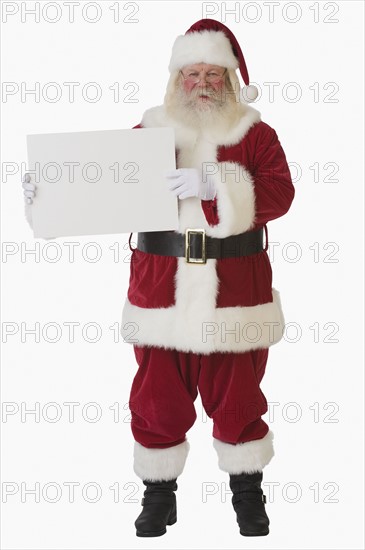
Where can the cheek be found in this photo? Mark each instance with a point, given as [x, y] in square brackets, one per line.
[219, 86]
[188, 86]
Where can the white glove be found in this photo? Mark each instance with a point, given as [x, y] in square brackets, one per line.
[29, 189]
[29, 194]
[186, 182]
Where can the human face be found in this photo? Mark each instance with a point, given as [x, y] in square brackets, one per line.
[212, 77]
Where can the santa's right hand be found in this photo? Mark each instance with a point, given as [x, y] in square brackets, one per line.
[29, 188]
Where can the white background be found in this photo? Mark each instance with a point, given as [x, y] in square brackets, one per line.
[315, 375]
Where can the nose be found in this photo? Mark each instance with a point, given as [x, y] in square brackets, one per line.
[202, 82]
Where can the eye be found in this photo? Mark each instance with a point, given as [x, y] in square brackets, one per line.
[193, 74]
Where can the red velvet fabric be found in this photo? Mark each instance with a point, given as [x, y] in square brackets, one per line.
[260, 152]
[151, 280]
[167, 383]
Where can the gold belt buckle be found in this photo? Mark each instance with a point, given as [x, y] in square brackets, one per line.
[203, 259]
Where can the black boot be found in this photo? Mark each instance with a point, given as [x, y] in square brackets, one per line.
[249, 503]
[159, 508]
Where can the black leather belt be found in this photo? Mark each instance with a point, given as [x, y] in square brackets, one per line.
[197, 247]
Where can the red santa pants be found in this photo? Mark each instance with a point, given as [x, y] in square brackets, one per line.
[162, 408]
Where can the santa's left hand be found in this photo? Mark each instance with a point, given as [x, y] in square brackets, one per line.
[186, 182]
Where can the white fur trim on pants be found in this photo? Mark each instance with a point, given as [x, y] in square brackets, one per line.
[247, 457]
[160, 464]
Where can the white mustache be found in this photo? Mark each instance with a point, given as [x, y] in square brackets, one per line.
[200, 93]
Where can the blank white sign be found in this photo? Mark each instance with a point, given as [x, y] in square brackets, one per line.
[101, 182]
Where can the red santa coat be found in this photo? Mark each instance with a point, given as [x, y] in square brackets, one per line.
[225, 305]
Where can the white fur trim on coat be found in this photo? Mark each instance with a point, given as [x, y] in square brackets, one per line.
[195, 325]
[202, 47]
[235, 199]
[160, 464]
[248, 457]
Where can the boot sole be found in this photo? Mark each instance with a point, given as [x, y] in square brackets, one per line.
[253, 534]
[156, 533]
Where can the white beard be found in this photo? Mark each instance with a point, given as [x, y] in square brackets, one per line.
[221, 110]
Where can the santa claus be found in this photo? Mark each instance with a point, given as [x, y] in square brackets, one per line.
[200, 298]
[200, 302]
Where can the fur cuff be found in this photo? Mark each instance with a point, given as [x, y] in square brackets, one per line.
[235, 199]
[247, 457]
[160, 464]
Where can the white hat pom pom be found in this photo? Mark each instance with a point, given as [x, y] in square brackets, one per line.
[250, 93]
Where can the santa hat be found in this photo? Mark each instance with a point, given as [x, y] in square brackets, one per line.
[209, 41]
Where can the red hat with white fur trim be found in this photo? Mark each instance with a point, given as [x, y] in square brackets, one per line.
[209, 41]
